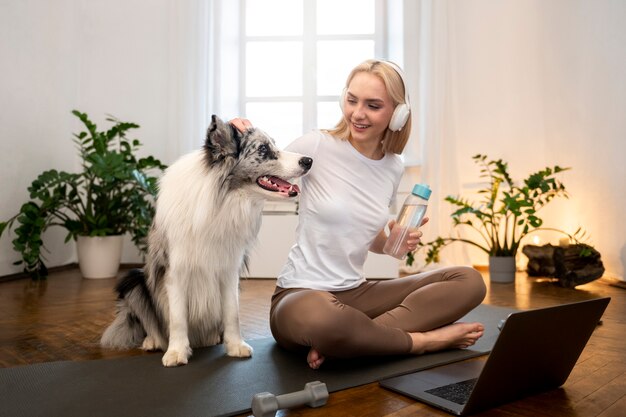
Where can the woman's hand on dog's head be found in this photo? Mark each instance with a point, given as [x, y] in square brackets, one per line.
[240, 124]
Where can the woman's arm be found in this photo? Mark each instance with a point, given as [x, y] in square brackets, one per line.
[379, 242]
[412, 239]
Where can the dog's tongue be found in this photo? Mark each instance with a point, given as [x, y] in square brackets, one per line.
[279, 185]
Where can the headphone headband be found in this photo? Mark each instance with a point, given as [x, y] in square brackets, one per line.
[399, 71]
[402, 111]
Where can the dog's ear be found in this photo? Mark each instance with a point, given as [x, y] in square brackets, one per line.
[222, 139]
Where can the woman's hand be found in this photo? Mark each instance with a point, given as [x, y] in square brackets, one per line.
[240, 124]
[413, 238]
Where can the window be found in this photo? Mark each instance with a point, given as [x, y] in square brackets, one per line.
[295, 56]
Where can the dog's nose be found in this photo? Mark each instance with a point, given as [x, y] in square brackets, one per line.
[306, 162]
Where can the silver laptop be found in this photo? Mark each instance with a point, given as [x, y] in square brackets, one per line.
[535, 352]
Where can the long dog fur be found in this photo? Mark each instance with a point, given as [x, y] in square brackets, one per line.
[208, 214]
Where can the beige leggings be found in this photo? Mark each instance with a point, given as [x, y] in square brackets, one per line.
[374, 318]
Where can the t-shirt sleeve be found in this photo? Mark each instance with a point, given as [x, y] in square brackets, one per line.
[306, 144]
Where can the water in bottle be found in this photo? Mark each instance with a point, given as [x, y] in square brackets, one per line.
[409, 219]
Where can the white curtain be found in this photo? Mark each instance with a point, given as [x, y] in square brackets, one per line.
[190, 77]
[437, 121]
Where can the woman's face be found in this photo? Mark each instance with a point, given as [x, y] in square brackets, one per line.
[367, 108]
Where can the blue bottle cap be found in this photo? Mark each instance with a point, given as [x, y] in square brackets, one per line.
[422, 190]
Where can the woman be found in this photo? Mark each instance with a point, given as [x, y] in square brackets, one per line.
[322, 301]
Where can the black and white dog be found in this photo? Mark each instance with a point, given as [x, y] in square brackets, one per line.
[208, 214]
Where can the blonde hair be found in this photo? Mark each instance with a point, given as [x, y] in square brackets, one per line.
[392, 141]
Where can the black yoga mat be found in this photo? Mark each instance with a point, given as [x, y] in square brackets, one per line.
[212, 384]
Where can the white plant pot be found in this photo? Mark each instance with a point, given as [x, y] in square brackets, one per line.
[502, 269]
[99, 256]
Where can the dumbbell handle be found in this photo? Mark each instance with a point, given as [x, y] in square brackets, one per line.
[293, 399]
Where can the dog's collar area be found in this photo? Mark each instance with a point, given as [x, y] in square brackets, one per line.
[279, 185]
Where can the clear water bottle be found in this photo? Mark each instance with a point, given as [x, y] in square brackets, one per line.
[408, 220]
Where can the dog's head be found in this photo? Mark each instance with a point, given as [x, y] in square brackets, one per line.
[252, 162]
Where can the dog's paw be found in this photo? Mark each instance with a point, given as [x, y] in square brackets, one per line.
[175, 357]
[239, 350]
[149, 344]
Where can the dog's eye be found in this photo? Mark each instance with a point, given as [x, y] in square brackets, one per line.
[263, 150]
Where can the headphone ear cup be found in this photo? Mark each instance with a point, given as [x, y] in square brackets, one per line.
[399, 117]
[342, 98]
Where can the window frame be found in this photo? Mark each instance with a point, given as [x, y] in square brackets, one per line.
[309, 39]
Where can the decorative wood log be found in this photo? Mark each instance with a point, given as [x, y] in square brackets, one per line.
[573, 265]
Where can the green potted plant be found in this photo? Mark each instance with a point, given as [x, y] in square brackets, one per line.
[506, 213]
[112, 195]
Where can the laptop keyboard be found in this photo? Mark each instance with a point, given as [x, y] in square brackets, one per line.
[458, 392]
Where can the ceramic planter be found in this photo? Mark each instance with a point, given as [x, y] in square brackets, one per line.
[99, 256]
[502, 269]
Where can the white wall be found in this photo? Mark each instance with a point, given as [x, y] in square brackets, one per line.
[38, 88]
[542, 83]
[584, 68]
[112, 57]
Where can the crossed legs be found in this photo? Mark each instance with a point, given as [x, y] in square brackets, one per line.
[413, 314]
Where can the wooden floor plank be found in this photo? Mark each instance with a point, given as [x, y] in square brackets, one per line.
[617, 409]
[611, 391]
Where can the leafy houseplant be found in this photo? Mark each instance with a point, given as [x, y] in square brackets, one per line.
[506, 213]
[112, 195]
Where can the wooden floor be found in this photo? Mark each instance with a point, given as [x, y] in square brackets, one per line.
[62, 319]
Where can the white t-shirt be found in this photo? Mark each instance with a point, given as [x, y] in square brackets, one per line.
[344, 204]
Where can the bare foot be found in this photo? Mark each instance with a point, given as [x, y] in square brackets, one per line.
[456, 335]
[315, 359]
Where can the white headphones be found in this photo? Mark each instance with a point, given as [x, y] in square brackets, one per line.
[402, 111]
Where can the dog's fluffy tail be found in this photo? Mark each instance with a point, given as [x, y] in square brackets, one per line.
[134, 306]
